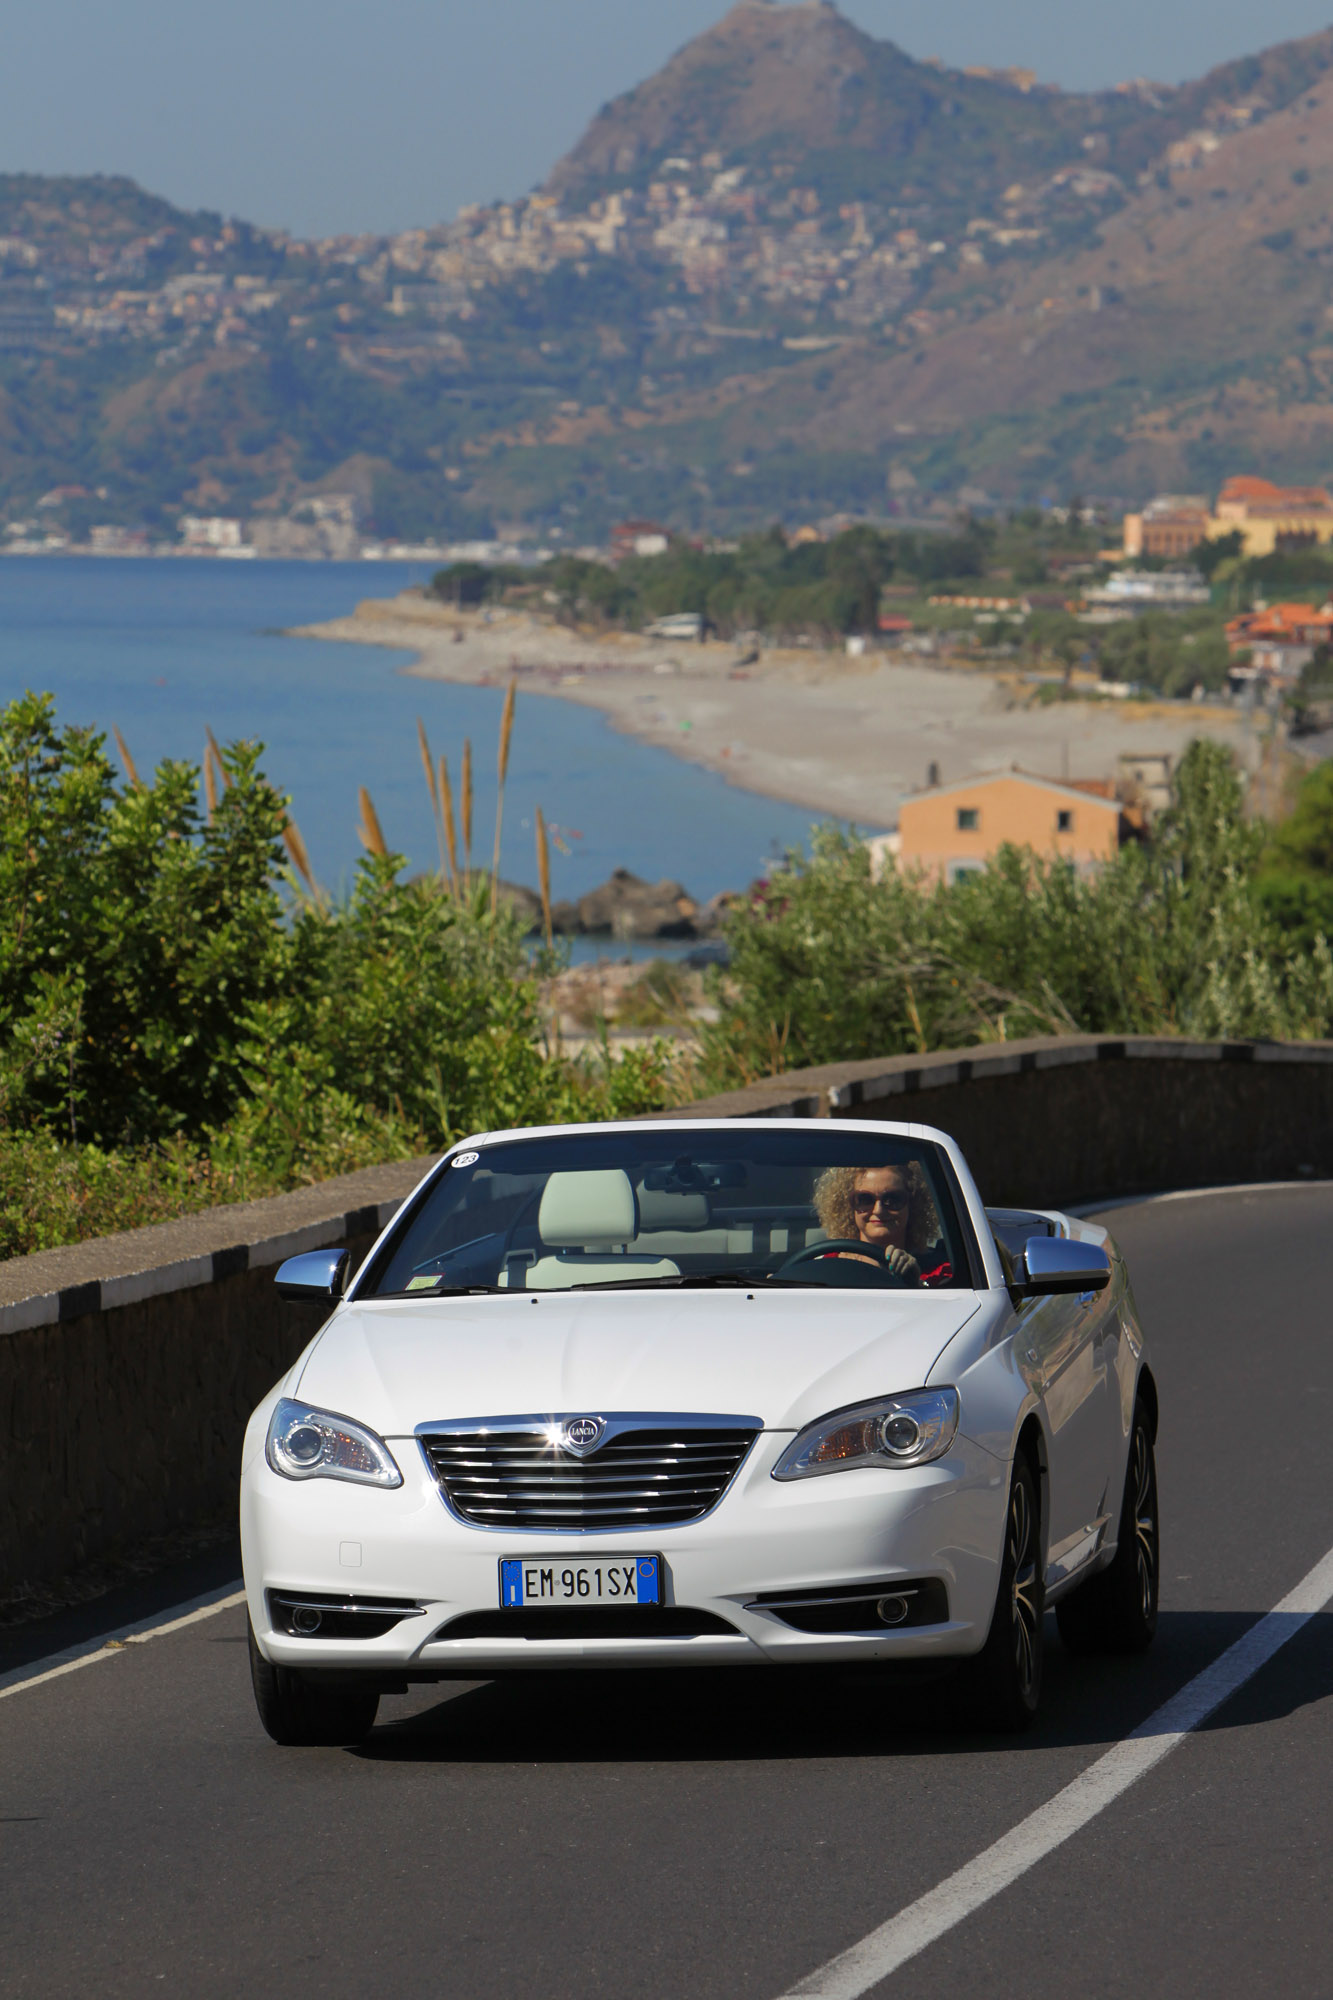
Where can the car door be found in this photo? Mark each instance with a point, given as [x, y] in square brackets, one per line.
[1060, 1348]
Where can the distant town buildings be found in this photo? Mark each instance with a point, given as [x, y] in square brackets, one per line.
[1266, 517]
[205, 533]
[1169, 527]
[639, 538]
[1270, 517]
[113, 540]
[1166, 589]
[1277, 642]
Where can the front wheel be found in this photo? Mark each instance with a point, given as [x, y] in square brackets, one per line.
[295, 1713]
[1001, 1687]
[1116, 1610]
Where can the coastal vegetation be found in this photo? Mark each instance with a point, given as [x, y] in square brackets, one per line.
[1208, 929]
[187, 1018]
[777, 588]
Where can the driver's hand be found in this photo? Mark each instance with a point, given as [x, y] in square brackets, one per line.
[902, 1263]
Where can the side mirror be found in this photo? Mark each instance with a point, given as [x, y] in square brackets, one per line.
[315, 1275]
[1054, 1264]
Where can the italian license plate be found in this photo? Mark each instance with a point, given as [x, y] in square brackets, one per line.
[528, 1581]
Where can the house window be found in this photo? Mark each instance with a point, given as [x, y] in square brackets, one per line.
[969, 819]
[1064, 822]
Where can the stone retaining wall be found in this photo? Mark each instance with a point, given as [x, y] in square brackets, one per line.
[128, 1365]
[1078, 1118]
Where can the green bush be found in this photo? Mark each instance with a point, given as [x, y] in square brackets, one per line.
[1295, 878]
[819, 589]
[136, 933]
[1169, 651]
[830, 964]
[176, 1032]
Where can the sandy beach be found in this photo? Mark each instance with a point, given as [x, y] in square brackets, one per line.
[847, 737]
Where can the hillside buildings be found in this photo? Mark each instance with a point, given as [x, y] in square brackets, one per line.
[1270, 517]
[1266, 517]
[1169, 527]
[1278, 642]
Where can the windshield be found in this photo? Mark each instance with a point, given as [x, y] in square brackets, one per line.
[666, 1208]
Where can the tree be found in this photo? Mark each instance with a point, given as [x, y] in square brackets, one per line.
[1207, 556]
[1295, 878]
[135, 932]
[462, 583]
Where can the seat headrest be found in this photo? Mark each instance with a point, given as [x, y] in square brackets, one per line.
[672, 1208]
[587, 1210]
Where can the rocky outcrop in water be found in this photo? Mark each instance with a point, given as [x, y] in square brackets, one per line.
[624, 907]
[628, 907]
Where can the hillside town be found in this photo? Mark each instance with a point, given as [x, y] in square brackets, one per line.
[760, 255]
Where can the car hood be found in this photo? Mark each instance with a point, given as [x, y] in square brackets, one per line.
[395, 1364]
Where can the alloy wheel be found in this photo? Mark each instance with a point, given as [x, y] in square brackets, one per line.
[1145, 1521]
[1023, 1569]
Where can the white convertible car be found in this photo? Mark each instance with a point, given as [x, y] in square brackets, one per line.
[678, 1393]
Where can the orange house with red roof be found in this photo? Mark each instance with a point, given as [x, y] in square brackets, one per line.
[1280, 639]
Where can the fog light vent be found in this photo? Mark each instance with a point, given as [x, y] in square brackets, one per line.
[859, 1607]
[317, 1614]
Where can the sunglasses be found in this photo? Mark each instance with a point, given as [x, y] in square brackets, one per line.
[864, 1202]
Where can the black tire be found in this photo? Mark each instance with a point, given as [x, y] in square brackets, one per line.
[1000, 1688]
[1116, 1610]
[296, 1714]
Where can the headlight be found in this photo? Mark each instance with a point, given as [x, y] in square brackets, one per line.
[910, 1429]
[312, 1444]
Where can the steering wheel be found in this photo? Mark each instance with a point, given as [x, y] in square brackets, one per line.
[831, 1246]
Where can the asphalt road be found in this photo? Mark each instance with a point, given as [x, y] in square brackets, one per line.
[662, 1838]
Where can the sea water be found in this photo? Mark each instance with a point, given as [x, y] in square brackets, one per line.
[163, 649]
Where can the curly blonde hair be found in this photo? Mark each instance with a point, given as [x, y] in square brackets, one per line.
[837, 1212]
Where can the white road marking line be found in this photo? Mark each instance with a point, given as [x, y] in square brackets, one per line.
[854, 1972]
[133, 1636]
[1190, 1194]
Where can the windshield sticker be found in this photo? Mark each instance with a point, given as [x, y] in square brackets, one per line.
[465, 1160]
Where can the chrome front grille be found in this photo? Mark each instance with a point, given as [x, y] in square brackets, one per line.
[638, 1477]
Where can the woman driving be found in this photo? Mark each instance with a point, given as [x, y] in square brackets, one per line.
[891, 1211]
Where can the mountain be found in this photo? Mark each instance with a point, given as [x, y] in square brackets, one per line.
[795, 272]
[861, 120]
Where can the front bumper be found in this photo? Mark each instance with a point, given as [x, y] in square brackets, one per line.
[326, 1537]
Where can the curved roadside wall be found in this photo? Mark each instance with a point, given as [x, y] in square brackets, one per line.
[128, 1365]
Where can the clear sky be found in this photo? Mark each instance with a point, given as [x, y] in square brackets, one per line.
[329, 115]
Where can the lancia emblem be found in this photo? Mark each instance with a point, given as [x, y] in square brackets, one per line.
[583, 1434]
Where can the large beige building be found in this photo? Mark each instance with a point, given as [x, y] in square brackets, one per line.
[951, 830]
[1266, 517]
[1171, 526]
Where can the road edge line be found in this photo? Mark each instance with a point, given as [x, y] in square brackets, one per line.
[880, 1953]
[133, 1636]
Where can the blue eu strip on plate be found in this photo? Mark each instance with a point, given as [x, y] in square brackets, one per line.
[528, 1581]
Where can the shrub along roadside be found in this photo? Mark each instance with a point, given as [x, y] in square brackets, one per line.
[1181, 936]
[178, 1031]
[174, 1031]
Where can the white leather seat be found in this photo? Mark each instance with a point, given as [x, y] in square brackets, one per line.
[587, 1220]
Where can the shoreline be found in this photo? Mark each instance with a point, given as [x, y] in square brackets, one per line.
[844, 737]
